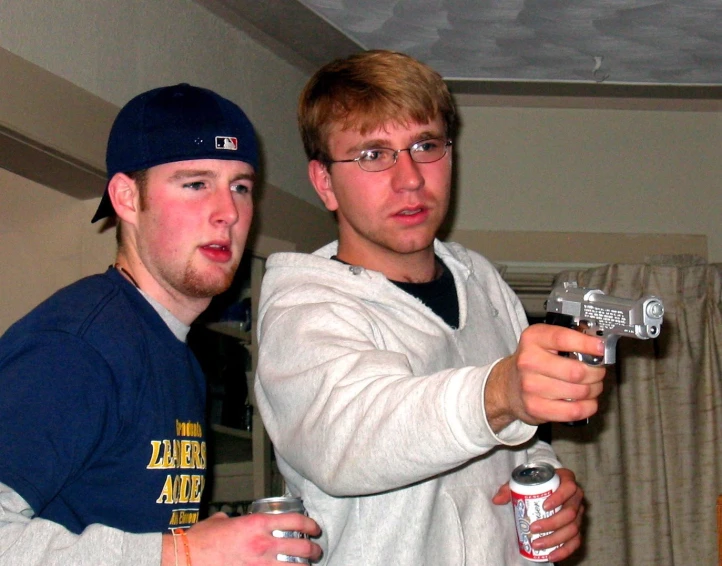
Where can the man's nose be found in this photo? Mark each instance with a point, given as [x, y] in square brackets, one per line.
[407, 173]
[224, 209]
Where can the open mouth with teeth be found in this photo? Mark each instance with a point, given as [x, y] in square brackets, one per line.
[217, 252]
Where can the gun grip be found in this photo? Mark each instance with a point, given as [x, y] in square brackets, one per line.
[566, 321]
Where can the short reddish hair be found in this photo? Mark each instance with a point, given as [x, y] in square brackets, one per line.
[367, 90]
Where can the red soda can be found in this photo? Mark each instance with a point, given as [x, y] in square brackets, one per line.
[530, 485]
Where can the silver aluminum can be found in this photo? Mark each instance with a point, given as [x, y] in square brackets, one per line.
[530, 486]
[278, 505]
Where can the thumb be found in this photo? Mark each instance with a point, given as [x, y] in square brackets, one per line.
[503, 496]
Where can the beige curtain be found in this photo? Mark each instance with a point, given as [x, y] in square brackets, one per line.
[650, 461]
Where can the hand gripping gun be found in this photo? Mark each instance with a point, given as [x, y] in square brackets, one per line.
[594, 313]
[597, 314]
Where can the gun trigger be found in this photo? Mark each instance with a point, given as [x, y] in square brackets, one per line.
[590, 360]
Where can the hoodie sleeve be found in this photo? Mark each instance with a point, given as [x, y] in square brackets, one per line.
[340, 407]
[33, 542]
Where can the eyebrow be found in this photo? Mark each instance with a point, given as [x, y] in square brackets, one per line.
[190, 173]
[380, 142]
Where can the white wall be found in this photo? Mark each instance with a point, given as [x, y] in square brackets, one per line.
[591, 170]
[527, 169]
[46, 242]
[520, 169]
[117, 48]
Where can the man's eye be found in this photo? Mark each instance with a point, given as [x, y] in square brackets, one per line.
[427, 145]
[195, 185]
[241, 188]
[373, 155]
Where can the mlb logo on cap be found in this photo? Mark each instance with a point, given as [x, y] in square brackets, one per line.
[226, 142]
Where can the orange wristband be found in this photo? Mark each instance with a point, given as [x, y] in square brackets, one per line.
[182, 533]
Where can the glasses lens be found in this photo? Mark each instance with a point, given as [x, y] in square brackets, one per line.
[375, 160]
[428, 151]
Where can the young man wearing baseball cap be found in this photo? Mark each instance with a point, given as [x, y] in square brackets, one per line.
[102, 409]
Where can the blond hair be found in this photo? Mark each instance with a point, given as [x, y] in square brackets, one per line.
[366, 91]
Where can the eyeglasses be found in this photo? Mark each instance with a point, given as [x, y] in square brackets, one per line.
[382, 158]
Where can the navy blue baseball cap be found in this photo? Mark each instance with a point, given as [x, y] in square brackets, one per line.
[176, 123]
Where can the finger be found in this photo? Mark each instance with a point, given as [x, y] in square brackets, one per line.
[559, 536]
[568, 547]
[555, 389]
[299, 547]
[568, 494]
[558, 371]
[566, 550]
[561, 410]
[569, 340]
[295, 522]
[559, 520]
[580, 517]
[503, 496]
[561, 339]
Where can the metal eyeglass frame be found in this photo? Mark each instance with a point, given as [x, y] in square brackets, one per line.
[413, 149]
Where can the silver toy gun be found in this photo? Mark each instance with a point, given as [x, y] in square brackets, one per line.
[597, 314]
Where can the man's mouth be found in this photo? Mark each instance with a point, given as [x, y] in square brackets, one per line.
[217, 252]
[220, 247]
[410, 211]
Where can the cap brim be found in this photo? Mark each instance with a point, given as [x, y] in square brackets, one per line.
[105, 208]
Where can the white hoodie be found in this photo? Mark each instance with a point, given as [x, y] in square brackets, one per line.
[375, 409]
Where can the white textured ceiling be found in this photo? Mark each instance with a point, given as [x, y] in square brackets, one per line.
[640, 48]
[622, 41]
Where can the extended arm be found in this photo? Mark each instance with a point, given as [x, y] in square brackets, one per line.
[343, 390]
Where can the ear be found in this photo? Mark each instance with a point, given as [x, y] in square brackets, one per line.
[321, 181]
[123, 193]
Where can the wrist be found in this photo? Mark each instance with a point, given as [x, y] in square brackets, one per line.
[496, 399]
[167, 551]
[181, 547]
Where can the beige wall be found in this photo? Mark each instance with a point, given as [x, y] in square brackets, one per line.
[591, 170]
[115, 49]
[547, 249]
[46, 242]
[90, 57]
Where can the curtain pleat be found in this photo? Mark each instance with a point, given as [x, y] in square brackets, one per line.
[650, 461]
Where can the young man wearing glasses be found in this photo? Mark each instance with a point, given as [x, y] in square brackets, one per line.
[396, 378]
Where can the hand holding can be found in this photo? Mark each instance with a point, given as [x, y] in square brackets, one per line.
[278, 505]
[530, 486]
